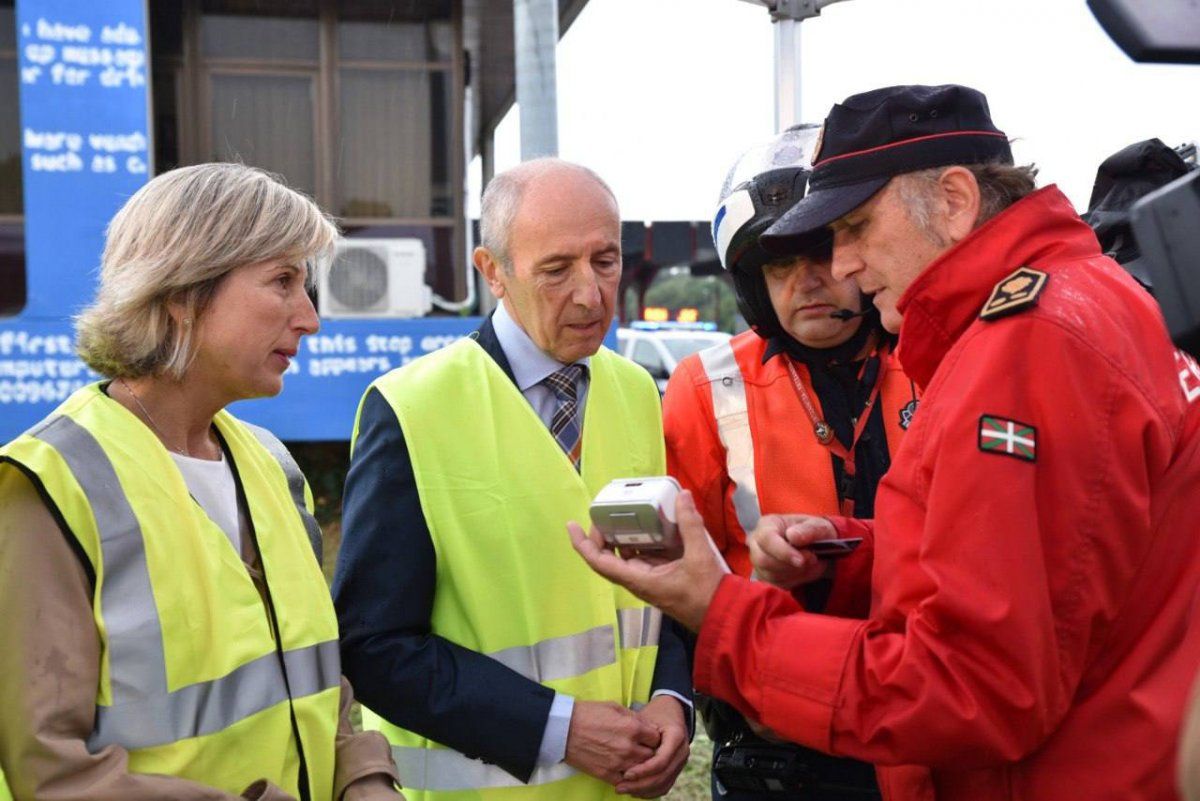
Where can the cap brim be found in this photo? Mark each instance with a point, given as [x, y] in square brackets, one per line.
[817, 210]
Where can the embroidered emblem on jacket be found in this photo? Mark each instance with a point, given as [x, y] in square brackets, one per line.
[1006, 437]
[1014, 293]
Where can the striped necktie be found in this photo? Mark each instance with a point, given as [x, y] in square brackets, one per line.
[565, 425]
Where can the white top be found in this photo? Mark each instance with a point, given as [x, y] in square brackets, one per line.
[211, 484]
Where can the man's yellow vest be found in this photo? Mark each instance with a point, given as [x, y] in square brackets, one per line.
[194, 681]
[497, 491]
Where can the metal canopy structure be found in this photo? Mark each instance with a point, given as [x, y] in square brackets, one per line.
[787, 16]
[488, 39]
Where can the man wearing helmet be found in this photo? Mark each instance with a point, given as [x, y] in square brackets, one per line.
[798, 414]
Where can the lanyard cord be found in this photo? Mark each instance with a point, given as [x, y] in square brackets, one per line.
[824, 432]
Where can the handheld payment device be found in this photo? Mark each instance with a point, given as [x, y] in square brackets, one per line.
[638, 513]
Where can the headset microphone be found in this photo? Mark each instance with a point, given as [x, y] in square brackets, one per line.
[846, 314]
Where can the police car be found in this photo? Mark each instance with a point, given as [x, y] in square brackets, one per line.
[659, 347]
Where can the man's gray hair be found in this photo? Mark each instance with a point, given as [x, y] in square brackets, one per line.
[502, 200]
[1000, 186]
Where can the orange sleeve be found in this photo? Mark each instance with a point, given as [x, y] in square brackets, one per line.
[696, 458]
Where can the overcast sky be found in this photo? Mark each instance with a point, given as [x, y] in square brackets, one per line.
[660, 96]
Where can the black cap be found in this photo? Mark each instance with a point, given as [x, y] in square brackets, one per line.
[872, 137]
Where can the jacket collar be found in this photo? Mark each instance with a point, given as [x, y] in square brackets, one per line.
[485, 335]
[1040, 231]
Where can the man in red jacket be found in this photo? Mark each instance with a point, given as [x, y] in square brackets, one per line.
[1032, 629]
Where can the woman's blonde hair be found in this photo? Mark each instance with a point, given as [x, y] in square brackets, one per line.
[171, 244]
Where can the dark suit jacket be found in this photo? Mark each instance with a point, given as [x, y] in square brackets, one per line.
[383, 589]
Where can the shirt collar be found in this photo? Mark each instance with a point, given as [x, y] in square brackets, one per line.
[529, 363]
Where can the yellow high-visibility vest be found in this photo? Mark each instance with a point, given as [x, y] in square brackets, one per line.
[497, 490]
[197, 679]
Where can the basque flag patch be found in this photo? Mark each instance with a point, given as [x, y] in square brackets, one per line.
[1007, 437]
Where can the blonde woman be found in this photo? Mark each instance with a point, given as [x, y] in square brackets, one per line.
[167, 629]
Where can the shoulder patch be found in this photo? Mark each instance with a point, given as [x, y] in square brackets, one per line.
[1015, 292]
[1007, 437]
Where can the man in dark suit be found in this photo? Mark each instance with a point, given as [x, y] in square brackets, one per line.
[488, 657]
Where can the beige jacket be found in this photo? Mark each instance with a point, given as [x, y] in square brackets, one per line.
[50, 667]
[1189, 748]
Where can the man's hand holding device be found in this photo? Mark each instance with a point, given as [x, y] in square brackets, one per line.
[681, 587]
[637, 516]
[790, 550]
[631, 518]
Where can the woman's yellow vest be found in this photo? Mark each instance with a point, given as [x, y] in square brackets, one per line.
[194, 682]
[497, 491]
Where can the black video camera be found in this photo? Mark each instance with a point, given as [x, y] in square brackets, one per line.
[763, 769]
[749, 764]
[1166, 223]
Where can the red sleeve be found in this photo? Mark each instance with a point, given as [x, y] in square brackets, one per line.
[851, 593]
[760, 651]
[696, 457]
[995, 575]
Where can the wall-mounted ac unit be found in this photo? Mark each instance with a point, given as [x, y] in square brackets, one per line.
[375, 278]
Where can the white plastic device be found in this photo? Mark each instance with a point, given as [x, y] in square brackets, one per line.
[638, 513]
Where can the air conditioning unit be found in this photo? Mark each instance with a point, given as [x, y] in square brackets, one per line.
[375, 278]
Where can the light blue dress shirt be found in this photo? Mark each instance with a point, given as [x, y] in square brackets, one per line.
[531, 365]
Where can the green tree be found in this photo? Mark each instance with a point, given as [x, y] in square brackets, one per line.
[711, 295]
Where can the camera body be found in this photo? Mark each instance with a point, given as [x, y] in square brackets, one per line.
[763, 768]
[638, 513]
[1164, 223]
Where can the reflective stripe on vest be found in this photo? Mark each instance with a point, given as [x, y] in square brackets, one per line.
[144, 712]
[562, 657]
[296, 484]
[639, 626]
[445, 770]
[576, 654]
[213, 706]
[733, 427]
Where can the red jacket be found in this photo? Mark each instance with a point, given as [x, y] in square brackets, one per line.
[738, 437]
[1031, 633]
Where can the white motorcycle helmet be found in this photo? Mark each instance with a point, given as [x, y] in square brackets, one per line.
[765, 182]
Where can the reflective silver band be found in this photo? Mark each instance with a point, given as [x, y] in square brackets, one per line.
[639, 627]
[213, 706]
[733, 427]
[143, 712]
[445, 770]
[561, 657]
[295, 480]
[137, 667]
[554, 658]
[577, 654]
